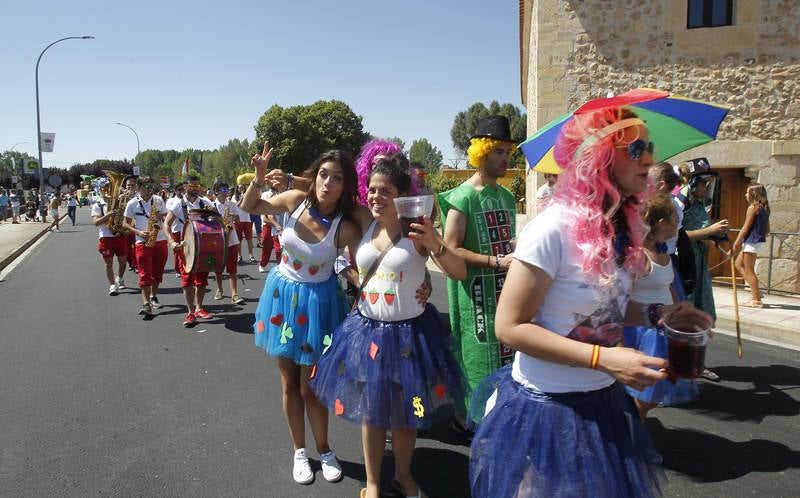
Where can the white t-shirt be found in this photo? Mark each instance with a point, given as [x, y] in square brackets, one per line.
[176, 208]
[545, 191]
[72, 202]
[100, 208]
[14, 200]
[233, 239]
[673, 242]
[244, 216]
[280, 218]
[139, 211]
[573, 299]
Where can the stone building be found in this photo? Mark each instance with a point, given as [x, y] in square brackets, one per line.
[740, 53]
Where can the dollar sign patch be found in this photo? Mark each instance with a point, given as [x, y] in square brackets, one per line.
[419, 410]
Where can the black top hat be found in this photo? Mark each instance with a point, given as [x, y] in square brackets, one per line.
[496, 127]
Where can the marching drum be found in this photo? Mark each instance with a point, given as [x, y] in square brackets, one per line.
[204, 245]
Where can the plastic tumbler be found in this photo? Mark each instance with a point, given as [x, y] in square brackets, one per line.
[412, 209]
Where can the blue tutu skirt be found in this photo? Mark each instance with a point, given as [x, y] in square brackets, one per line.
[390, 374]
[653, 342]
[296, 320]
[563, 445]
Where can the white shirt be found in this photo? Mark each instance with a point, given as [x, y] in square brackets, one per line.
[673, 242]
[243, 215]
[545, 191]
[139, 211]
[233, 239]
[100, 208]
[72, 202]
[176, 208]
[572, 299]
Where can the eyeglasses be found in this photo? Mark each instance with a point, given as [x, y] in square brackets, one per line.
[636, 148]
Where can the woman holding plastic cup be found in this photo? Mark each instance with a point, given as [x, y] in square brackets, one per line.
[560, 422]
[389, 365]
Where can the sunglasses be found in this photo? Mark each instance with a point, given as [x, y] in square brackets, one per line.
[636, 148]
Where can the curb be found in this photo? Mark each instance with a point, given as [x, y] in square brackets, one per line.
[14, 255]
[761, 331]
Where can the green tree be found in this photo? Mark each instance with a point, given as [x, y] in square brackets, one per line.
[465, 122]
[300, 133]
[427, 154]
[399, 141]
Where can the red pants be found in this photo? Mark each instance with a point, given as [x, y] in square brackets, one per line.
[151, 262]
[131, 249]
[177, 256]
[268, 242]
[232, 260]
[113, 246]
[244, 230]
[194, 279]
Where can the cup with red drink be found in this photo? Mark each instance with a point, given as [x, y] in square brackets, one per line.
[687, 351]
[411, 210]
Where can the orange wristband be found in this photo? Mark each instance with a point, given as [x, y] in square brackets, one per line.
[595, 357]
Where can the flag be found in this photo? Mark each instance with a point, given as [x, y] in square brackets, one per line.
[185, 169]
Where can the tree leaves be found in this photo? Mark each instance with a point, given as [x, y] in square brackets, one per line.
[426, 154]
[466, 121]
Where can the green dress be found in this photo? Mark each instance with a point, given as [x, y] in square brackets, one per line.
[695, 217]
[491, 225]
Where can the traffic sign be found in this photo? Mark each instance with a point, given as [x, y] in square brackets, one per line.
[30, 166]
[55, 180]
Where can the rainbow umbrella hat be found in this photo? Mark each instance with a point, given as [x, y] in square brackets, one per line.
[675, 123]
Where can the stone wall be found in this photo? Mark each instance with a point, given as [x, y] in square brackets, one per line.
[582, 49]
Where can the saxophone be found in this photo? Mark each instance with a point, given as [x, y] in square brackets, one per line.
[152, 224]
[226, 217]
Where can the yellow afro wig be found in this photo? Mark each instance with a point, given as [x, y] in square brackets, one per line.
[480, 147]
[245, 178]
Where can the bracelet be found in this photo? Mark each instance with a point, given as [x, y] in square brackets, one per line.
[595, 357]
[441, 252]
[497, 260]
[650, 312]
[489, 261]
[255, 183]
[289, 181]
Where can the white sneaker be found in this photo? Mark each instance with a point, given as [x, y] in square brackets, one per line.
[120, 283]
[261, 269]
[113, 290]
[331, 470]
[301, 472]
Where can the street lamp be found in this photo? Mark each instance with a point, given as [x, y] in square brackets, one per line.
[38, 119]
[137, 139]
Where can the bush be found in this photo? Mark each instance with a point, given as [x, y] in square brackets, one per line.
[441, 183]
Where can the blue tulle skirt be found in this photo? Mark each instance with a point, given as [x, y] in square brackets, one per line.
[653, 342]
[390, 374]
[563, 445]
[296, 320]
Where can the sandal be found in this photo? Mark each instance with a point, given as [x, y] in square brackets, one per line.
[396, 486]
[753, 304]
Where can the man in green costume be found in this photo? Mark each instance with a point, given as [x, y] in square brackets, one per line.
[479, 219]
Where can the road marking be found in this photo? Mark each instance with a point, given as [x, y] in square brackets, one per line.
[200, 331]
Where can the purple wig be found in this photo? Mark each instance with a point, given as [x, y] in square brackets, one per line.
[365, 162]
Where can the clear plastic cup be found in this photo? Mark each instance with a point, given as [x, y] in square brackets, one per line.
[687, 351]
[412, 209]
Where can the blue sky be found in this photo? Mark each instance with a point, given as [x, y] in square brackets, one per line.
[196, 74]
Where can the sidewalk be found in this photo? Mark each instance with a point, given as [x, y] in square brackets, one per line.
[776, 321]
[15, 239]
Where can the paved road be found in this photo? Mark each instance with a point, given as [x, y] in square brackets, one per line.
[96, 401]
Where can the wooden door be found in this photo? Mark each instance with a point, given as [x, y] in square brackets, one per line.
[732, 207]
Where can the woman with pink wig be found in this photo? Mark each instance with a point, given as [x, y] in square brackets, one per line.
[559, 422]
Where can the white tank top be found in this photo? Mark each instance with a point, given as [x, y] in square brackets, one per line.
[654, 287]
[390, 295]
[303, 261]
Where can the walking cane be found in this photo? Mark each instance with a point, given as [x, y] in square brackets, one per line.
[730, 256]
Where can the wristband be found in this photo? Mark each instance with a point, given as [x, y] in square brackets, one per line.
[442, 250]
[650, 312]
[595, 357]
[497, 260]
[255, 183]
[289, 181]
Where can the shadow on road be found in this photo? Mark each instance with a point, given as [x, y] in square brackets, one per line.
[763, 399]
[709, 458]
[240, 322]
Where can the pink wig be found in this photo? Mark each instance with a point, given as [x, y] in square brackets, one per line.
[585, 151]
[365, 160]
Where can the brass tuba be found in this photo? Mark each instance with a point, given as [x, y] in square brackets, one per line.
[116, 199]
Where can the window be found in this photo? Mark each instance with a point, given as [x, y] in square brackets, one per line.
[709, 13]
